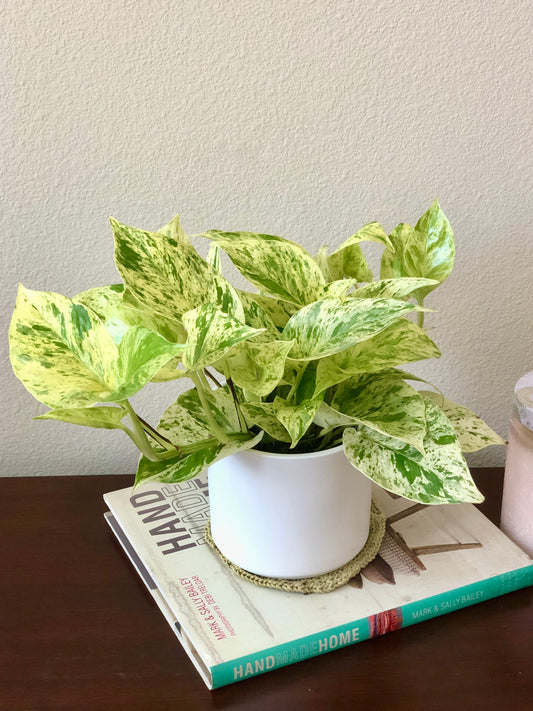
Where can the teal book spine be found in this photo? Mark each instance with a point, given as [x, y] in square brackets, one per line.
[359, 630]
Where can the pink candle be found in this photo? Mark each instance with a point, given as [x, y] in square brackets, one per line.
[517, 502]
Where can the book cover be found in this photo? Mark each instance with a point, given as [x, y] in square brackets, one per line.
[433, 560]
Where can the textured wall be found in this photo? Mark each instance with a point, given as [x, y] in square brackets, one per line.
[299, 118]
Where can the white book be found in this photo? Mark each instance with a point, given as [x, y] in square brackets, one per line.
[433, 560]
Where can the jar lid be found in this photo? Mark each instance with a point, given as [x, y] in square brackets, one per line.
[523, 395]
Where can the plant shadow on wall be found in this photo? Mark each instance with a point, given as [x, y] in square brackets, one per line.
[307, 362]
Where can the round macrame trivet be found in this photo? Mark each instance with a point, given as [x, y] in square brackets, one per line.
[320, 583]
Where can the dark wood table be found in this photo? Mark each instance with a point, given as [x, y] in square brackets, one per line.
[80, 631]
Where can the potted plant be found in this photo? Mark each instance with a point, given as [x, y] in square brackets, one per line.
[297, 402]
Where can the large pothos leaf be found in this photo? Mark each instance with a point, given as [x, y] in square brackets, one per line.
[118, 315]
[371, 232]
[440, 476]
[212, 334]
[186, 467]
[402, 342]
[277, 310]
[392, 288]
[109, 418]
[282, 420]
[256, 317]
[473, 434]
[263, 415]
[65, 357]
[331, 325]
[427, 250]
[220, 402]
[258, 367]
[349, 262]
[166, 274]
[386, 404]
[276, 265]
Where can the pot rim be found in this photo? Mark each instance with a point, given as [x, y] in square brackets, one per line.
[302, 455]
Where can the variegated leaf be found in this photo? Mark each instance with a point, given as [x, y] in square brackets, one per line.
[296, 418]
[277, 310]
[321, 259]
[426, 250]
[109, 418]
[403, 342]
[392, 288]
[174, 231]
[212, 334]
[170, 371]
[331, 325]
[328, 418]
[263, 415]
[221, 404]
[276, 265]
[166, 274]
[213, 257]
[259, 367]
[439, 477]
[179, 469]
[338, 289]
[473, 434]
[371, 232]
[118, 315]
[386, 404]
[65, 357]
[255, 316]
[350, 262]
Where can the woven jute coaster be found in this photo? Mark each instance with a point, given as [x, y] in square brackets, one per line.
[321, 583]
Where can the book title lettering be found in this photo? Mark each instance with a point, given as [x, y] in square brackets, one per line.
[180, 512]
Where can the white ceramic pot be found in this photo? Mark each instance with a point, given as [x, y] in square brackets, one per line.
[289, 515]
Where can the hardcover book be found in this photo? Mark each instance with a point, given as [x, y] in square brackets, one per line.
[433, 560]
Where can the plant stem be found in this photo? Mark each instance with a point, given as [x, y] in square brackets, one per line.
[210, 375]
[139, 436]
[420, 315]
[242, 421]
[200, 388]
[299, 376]
[158, 437]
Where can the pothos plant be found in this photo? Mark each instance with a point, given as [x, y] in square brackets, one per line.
[307, 362]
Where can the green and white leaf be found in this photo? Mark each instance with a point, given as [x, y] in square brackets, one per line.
[255, 316]
[296, 419]
[264, 416]
[331, 325]
[384, 403]
[65, 357]
[276, 265]
[166, 274]
[426, 250]
[328, 418]
[402, 342]
[212, 334]
[172, 471]
[279, 311]
[392, 288]
[472, 432]
[371, 232]
[441, 476]
[259, 367]
[213, 257]
[338, 289]
[220, 403]
[109, 418]
[350, 262]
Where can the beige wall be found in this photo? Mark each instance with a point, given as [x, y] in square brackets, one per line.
[299, 118]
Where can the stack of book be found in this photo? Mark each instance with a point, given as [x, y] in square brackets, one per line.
[433, 560]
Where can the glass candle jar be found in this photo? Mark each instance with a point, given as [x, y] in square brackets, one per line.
[517, 501]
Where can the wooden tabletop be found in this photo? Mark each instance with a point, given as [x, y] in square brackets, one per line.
[79, 630]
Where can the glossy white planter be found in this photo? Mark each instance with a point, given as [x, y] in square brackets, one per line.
[289, 516]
